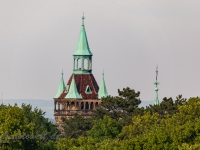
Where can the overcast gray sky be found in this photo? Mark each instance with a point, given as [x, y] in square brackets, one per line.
[127, 38]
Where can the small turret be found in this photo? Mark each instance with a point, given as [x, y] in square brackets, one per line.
[61, 87]
[102, 89]
[73, 92]
[82, 55]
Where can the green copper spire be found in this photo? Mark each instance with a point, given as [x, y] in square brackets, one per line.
[61, 87]
[102, 90]
[83, 46]
[156, 100]
[73, 92]
[82, 55]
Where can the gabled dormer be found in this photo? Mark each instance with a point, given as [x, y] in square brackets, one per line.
[88, 90]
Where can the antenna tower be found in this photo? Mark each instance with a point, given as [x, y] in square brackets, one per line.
[156, 100]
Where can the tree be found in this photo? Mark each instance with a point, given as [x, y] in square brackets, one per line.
[76, 126]
[121, 107]
[65, 143]
[42, 124]
[167, 106]
[172, 131]
[14, 125]
[178, 128]
[104, 129]
[24, 128]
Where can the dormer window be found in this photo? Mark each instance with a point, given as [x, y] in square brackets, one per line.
[88, 90]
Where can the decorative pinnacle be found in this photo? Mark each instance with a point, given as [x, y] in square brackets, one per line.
[83, 19]
[156, 100]
[156, 72]
[62, 72]
[103, 72]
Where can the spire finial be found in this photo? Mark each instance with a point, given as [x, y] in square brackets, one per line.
[83, 19]
[156, 72]
[61, 86]
[156, 100]
[102, 89]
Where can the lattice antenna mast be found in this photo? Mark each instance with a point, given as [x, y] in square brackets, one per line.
[156, 100]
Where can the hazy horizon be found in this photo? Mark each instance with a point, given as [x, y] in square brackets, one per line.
[48, 105]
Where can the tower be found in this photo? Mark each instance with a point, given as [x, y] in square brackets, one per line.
[82, 55]
[156, 100]
[81, 94]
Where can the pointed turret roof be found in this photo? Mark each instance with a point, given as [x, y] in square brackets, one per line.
[61, 87]
[82, 82]
[83, 46]
[73, 92]
[102, 89]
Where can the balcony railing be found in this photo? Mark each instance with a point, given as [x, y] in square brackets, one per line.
[72, 112]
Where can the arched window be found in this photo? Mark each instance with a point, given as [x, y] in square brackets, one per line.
[86, 64]
[82, 105]
[91, 106]
[96, 105]
[86, 106]
[56, 105]
[79, 66]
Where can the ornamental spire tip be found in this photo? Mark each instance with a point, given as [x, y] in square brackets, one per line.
[62, 72]
[83, 19]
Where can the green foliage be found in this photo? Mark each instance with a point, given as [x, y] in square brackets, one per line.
[108, 144]
[65, 143]
[87, 143]
[22, 128]
[76, 126]
[170, 125]
[13, 125]
[171, 131]
[167, 106]
[2, 106]
[41, 124]
[49, 145]
[104, 129]
[117, 125]
[186, 146]
[121, 107]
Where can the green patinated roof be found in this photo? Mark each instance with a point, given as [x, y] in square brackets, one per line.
[83, 46]
[102, 89]
[61, 87]
[73, 92]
